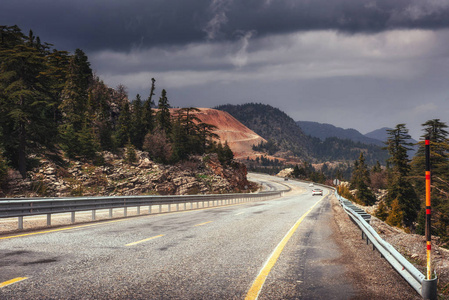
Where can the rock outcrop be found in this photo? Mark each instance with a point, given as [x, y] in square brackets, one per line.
[200, 175]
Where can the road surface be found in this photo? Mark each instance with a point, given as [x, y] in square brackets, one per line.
[276, 249]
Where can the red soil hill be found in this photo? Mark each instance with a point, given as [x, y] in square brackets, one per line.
[239, 137]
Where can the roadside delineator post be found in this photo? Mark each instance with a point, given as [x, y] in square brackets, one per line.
[428, 213]
[429, 285]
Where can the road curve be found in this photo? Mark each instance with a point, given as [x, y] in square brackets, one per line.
[276, 249]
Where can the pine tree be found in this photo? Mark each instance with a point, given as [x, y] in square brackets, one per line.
[436, 132]
[181, 142]
[122, 134]
[206, 136]
[361, 180]
[99, 105]
[225, 154]
[87, 142]
[163, 114]
[147, 113]
[296, 172]
[26, 104]
[381, 211]
[138, 131]
[77, 128]
[399, 185]
[69, 140]
[131, 155]
[189, 123]
[75, 92]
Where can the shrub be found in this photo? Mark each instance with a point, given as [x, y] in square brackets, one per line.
[396, 214]
[381, 211]
[158, 146]
[130, 155]
[343, 191]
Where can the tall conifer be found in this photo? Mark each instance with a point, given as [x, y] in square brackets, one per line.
[399, 185]
[163, 114]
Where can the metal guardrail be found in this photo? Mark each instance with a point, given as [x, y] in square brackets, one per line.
[426, 288]
[22, 207]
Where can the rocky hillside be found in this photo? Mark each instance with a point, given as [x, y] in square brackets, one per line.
[200, 175]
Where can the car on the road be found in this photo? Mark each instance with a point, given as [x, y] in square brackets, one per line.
[317, 192]
[285, 178]
[311, 184]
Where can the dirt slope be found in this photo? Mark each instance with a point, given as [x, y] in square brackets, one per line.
[239, 137]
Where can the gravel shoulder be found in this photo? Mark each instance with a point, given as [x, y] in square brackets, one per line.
[372, 276]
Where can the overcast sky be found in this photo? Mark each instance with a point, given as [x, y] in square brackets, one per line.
[362, 64]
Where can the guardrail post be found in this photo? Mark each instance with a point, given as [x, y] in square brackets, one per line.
[160, 208]
[149, 209]
[125, 211]
[177, 206]
[20, 222]
[72, 218]
[185, 206]
[110, 213]
[48, 219]
[429, 289]
[138, 210]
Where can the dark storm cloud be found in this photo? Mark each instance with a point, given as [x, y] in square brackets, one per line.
[124, 25]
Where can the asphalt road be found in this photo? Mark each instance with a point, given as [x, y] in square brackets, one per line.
[270, 249]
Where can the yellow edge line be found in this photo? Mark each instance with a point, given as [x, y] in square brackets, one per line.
[203, 223]
[56, 230]
[258, 283]
[9, 282]
[145, 240]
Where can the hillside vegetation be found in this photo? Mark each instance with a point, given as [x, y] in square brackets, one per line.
[53, 108]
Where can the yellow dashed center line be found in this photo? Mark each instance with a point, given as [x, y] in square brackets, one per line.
[9, 282]
[258, 283]
[145, 240]
[201, 224]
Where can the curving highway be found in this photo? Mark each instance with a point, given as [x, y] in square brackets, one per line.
[274, 249]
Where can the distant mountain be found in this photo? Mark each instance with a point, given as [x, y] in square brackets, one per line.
[324, 131]
[274, 125]
[382, 135]
[379, 134]
[271, 124]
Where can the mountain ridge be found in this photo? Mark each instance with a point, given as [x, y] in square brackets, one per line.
[325, 130]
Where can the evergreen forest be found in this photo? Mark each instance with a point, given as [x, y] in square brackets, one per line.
[52, 104]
